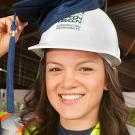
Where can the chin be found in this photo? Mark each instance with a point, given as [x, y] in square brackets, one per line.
[70, 115]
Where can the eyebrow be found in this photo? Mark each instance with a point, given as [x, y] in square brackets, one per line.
[82, 62]
[87, 61]
[52, 62]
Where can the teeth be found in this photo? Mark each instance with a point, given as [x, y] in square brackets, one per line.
[71, 97]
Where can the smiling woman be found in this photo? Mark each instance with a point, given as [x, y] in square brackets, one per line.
[78, 82]
[78, 88]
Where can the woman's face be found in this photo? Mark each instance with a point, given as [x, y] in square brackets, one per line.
[75, 81]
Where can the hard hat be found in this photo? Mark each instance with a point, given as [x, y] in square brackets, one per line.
[91, 31]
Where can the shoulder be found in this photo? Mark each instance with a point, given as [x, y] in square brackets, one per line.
[131, 129]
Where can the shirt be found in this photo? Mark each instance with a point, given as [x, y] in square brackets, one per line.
[63, 131]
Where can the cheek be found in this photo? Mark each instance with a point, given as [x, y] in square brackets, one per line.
[51, 81]
[51, 87]
[94, 88]
[94, 84]
[48, 86]
[50, 90]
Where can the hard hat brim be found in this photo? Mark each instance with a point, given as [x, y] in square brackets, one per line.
[110, 58]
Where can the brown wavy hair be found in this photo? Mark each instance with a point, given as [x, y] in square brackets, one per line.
[113, 114]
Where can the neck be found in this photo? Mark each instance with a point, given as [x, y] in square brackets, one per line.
[80, 123]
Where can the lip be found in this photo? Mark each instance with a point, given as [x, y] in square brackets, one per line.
[70, 98]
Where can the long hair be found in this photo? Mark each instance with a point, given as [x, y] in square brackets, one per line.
[113, 113]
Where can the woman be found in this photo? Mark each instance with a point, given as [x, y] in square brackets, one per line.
[77, 91]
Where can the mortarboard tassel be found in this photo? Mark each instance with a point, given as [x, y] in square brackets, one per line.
[10, 69]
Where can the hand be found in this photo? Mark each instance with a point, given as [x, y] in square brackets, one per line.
[5, 32]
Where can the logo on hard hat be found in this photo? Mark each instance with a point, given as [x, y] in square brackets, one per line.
[72, 22]
[76, 18]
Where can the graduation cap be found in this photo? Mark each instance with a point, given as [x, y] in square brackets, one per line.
[47, 12]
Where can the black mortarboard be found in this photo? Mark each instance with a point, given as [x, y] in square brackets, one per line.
[48, 12]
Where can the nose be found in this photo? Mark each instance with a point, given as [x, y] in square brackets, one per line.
[69, 81]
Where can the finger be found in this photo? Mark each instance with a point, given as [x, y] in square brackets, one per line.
[21, 27]
[20, 24]
[8, 23]
[25, 24]
[2, 25]
[2, 28]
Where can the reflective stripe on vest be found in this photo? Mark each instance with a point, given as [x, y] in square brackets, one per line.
[4, 115]
[96, 130]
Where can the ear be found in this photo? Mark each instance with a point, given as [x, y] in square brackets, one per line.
[115, 71]
[105, 87]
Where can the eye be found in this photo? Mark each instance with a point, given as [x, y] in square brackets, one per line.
[54, 69]
[86, 69]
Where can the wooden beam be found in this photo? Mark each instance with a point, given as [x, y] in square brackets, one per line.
[113, 4]
[23, 78]
[6, 2]
[126, 41]
[127, 83]
[127, 75]
[116, 2]
[130, 47]
[128, 68]
[26, 36]
[27, 66]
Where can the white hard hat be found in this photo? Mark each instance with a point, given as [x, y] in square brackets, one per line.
[91, 31]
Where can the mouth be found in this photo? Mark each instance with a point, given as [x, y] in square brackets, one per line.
[70, 98]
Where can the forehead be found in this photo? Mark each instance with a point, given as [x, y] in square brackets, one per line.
[66, 55]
